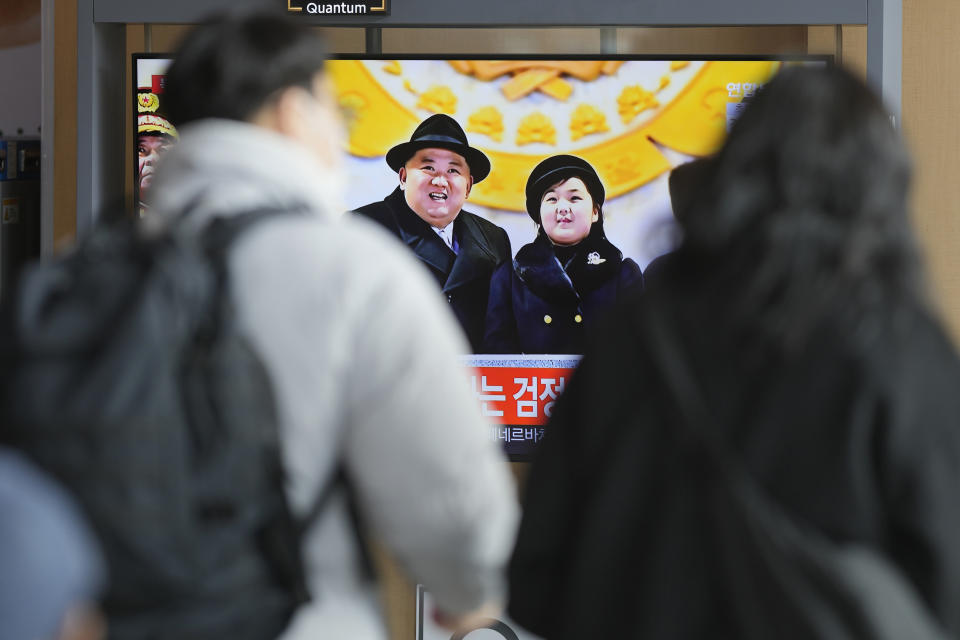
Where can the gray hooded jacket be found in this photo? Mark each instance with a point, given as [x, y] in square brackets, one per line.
[362, 354]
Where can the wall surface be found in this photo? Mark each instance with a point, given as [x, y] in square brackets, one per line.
[20, 89]
[65, 123]
[931, 123]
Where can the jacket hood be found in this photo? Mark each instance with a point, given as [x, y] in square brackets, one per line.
[224, 167]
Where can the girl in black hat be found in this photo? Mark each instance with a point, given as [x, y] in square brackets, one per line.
[559, 284]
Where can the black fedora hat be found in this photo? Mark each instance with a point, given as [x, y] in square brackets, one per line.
[440, 130]
[557, 168]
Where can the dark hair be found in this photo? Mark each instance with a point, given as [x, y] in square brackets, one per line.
[806, 206]
[231, 65]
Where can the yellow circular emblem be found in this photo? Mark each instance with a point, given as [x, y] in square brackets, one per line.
[617, 115]
[147, 102]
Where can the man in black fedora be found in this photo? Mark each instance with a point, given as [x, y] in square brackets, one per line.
[437, 168]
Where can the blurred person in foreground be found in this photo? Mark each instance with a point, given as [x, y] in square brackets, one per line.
[50, 568]
[360, 349]
[797, 297]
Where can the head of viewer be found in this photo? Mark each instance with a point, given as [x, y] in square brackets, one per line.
[261, 69]
[814, 158]
[564, 198]
[807, 203]
[52, 570]
[437, 169]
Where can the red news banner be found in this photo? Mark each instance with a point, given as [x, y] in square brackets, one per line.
[518, 393]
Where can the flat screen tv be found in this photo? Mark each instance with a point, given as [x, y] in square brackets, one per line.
[632, 118]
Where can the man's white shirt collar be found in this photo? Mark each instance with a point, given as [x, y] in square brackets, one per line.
[446, 234]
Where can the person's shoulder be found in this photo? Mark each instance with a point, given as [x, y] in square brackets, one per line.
[914, 336]
[911, 365]
[630, 266]
[898, 353]
[377, 210]
[341, 243]
[384, 213]
[368, 236]
[630, 276]
[503, 273]
[495, 236]
[658, 265]
[483, 223]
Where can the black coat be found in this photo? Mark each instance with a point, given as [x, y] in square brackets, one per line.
[463, 277]
[857, 433]
[538, 306]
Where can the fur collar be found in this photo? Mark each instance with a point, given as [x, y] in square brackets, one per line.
[594, 262]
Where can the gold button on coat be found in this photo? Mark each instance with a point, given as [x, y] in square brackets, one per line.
[547, 319]
[578, 318]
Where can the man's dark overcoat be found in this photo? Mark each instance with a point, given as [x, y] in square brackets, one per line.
[463, 277]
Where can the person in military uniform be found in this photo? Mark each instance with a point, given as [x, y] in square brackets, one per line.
[559, 285]
[437, 168]
[155, 134]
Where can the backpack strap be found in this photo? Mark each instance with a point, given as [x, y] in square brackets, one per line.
[340, 481]
[282, 542]
[217, 239]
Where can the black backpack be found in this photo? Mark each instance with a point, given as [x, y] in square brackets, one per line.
[123, 374]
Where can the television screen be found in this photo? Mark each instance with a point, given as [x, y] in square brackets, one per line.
[629, 120]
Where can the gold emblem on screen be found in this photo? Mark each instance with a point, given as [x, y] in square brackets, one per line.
[535, 109]
[545, 76]
[487, 121]
[438, 99]
[147, 103]
[536, 127]
[586, 120]
[633, 101]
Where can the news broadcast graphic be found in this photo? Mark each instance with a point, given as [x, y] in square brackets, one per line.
[516, 393]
